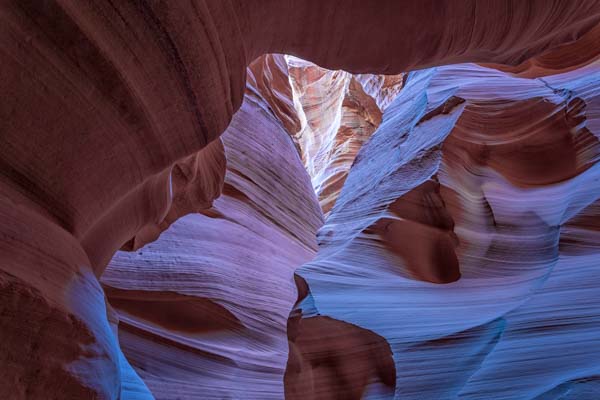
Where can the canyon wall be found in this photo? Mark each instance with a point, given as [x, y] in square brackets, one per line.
[456, 256]
[454, 236]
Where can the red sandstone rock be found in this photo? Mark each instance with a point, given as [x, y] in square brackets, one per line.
[111, 115]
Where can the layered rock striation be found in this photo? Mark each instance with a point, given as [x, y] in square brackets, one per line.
[449, 252]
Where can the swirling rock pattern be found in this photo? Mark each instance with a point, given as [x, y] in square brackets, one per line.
[109, 139]
[491, 206]
[337, 116]
[214, 292]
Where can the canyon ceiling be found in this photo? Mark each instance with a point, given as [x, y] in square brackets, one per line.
[318, 199]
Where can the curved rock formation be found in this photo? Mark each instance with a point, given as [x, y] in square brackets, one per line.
[109, 135]
[330, 358]
[511, 180]
[213, 293]
[337, 117]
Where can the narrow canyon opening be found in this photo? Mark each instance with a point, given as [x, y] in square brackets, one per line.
[406, 206]
[246, 267]
[287, 153]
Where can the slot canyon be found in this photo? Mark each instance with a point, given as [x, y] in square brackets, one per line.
[300, 199]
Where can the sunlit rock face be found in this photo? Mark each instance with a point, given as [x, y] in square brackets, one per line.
[180, 222]
[338, 112]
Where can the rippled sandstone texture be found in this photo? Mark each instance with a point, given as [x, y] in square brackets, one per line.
[111, 117]
[491, 206]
